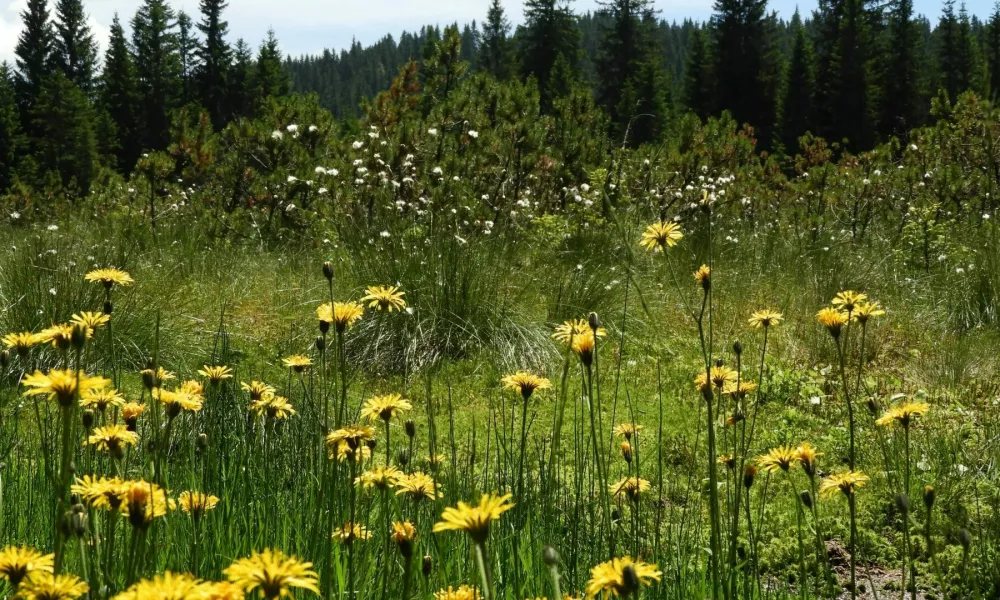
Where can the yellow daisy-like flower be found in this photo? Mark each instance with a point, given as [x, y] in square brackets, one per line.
[352, 435]
[726, 459]
[403, 531]
[344, 452]
[739, 391]
[109, 277]
[131, 412]
[660, 236]
[904, 414]
[384, 407]
[112, 439]
[610, 577]
[780, 458]
[630, 487]
[273, 574]
[807, 455]
[257, 390]
[833, 319]
[847, 483]
[384, 297]
[43, 585]
[177, 400]
[102, 398]
[273, 407]
[169, 586]
[224, 590]
[718, 376]
[866, 310]
[418, 486]
[704, 277]
[526, 383]
[435, 461]
[62, 385]
[627, 430]
[475, 520]
[382, 478]
[762, 319]
[20, 342]
[297, 362]
[463, 592]
[570, 330]
[17, 562]
[583, 346]
[847, 300]
[156, 379]
[90, 320]
[197, 503]
[340, 314]
[143, 501]
[102, 493]
[349, 532]
[215, 374]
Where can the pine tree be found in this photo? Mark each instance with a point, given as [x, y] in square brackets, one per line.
[215, 58]
[495, 55]
[67, 144]
[34, 53]
[240, 81]
[187, 47]
[75, 50]
[158, 70]
[549, 32]
[119, 99]
[993, 53]
[9, 128]
[626, 47]
[901, 101]
[797, 105]
[271, 79]
[698, 84]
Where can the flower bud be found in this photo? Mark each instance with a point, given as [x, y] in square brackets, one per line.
[328, 270]
[324, 327]
[202, 442]
[720, 363]
[410, 427]
[903, 503]
[4, 359]
[749, 474]
[630, 580]
[807, 499]
[428, 565]
[594, 321]
[320, 340]
[108, 307]
[79, 336]
[737, 348]
[551, 556]
[964, 538]
[88, 419]
[372, 443]
[403, 457]
[929, 495]
[627, 452]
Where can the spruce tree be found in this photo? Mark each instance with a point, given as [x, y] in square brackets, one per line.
[970, 60]
[901, 101]
[797, 105]
[950, 62]
[240, 81]
[67, 143]
[158, 69]
[34, 54]
[9, 128]
[215, 58]
[826, 46]
[75, 50]
[699, 87]
[270, 79]
[854, 62]
[495, 54]
[549, 32]
[627, 45]
[186, 48]
[119, 99]
[993, 53]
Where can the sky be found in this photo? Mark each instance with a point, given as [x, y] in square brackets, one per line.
[310, 26]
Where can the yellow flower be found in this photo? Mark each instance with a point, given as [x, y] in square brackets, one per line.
[780, 458]
[215, 374]
[435, 461]
[112, 439]
[384, 407]
[865, 311]
[345, 452]
[627, 430]
[765, 318]
[403, 531]
[155, 379]
[100, 493]
[351, 435]
[807, 456]
[348, 532]
[109, 277]
[273, 407]
[273, 573]
[475, 520]
[18, 562]
[340, 314]
[20, 342]
[382, 478]
[704, 277]
[741, 391]
[62, 385]
[43, 585]
[418, 486]
[718, 376]
[572, 329]
[726, 459]
[526, 383]
[610, 576]
[847, 482]
[131, 413]
[297, 362]
[224, 590]
[629, 486]
[143, 501]
[102, 398]
[168, 586]
[904, 414]
[463, 592]
[61, 335]
[833, 319]
[197, 503]
[257, 389]
[384, 297]
[660, 236]
[847, 300]
[90, 320]
[179, 399]
[583, 346]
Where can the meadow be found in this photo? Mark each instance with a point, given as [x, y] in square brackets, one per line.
[462, 351]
